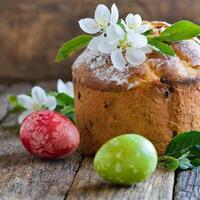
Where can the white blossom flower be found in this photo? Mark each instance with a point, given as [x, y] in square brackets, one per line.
[66, 88]
[123, 40]
[124, 48]
[102, 19]
[37, 101]
[134, 24]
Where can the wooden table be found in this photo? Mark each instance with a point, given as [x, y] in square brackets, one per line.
[25, 177]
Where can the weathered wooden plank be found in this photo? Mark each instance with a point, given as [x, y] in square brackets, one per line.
[26, 177]
[88, 185]
[10, 121]
[13, 90]
[2, 87]
[188, 185]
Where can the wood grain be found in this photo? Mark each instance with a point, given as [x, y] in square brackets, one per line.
[32, 31]
[24, 176]
[188, 185]
[2, 87]
[13, 90]
[87, 185]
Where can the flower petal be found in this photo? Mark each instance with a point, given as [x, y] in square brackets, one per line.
[135, 56]
[106, 46]
[129, 19]
[147, 49]
[115, 33]
[138, 20]
[89, 25]
[94, 43]
[114, 14]
[138, 40]
[38, 95]
[102, 14]
[143, 28]
[25, 101]
[70, 89]
[23, 115]
[67, 88]
[50, 102]
[61, 88]
[133, 20]
[118, 59]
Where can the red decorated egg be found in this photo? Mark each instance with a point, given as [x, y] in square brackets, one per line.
[48, 134]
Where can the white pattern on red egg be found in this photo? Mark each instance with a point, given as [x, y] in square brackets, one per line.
[49, 134]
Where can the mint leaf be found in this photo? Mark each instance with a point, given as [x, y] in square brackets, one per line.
[182, 143]
[72, 46]
[168, 162]
[161, 46]
[182, 30]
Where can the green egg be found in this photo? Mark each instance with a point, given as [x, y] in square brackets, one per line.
[126, 159]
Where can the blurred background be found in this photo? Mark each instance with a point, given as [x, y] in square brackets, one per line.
[31, 31]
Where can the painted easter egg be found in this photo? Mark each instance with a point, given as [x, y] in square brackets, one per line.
[126, 159]
[48, 134]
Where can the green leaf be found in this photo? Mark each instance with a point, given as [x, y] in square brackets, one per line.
[194, 152]
[161, 46]
[168, 162]
[72, 46]
[182, 30]
[195, 162]
[67, 110]
[184, 163]
[121, 23]
[71, 116]
[52, 93]
[182, 143]
[147, 33]
[198, 146]
[16, 107]
[12, 100]
[63, 99]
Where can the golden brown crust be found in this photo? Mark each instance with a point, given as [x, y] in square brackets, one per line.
[95, 70]
[157, 111]
[158, 100]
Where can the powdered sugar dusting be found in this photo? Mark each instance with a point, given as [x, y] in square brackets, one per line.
[176, 67]
[111, 74]
[99, 67]
[192, 50]
[92, 58]
[98, 63]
